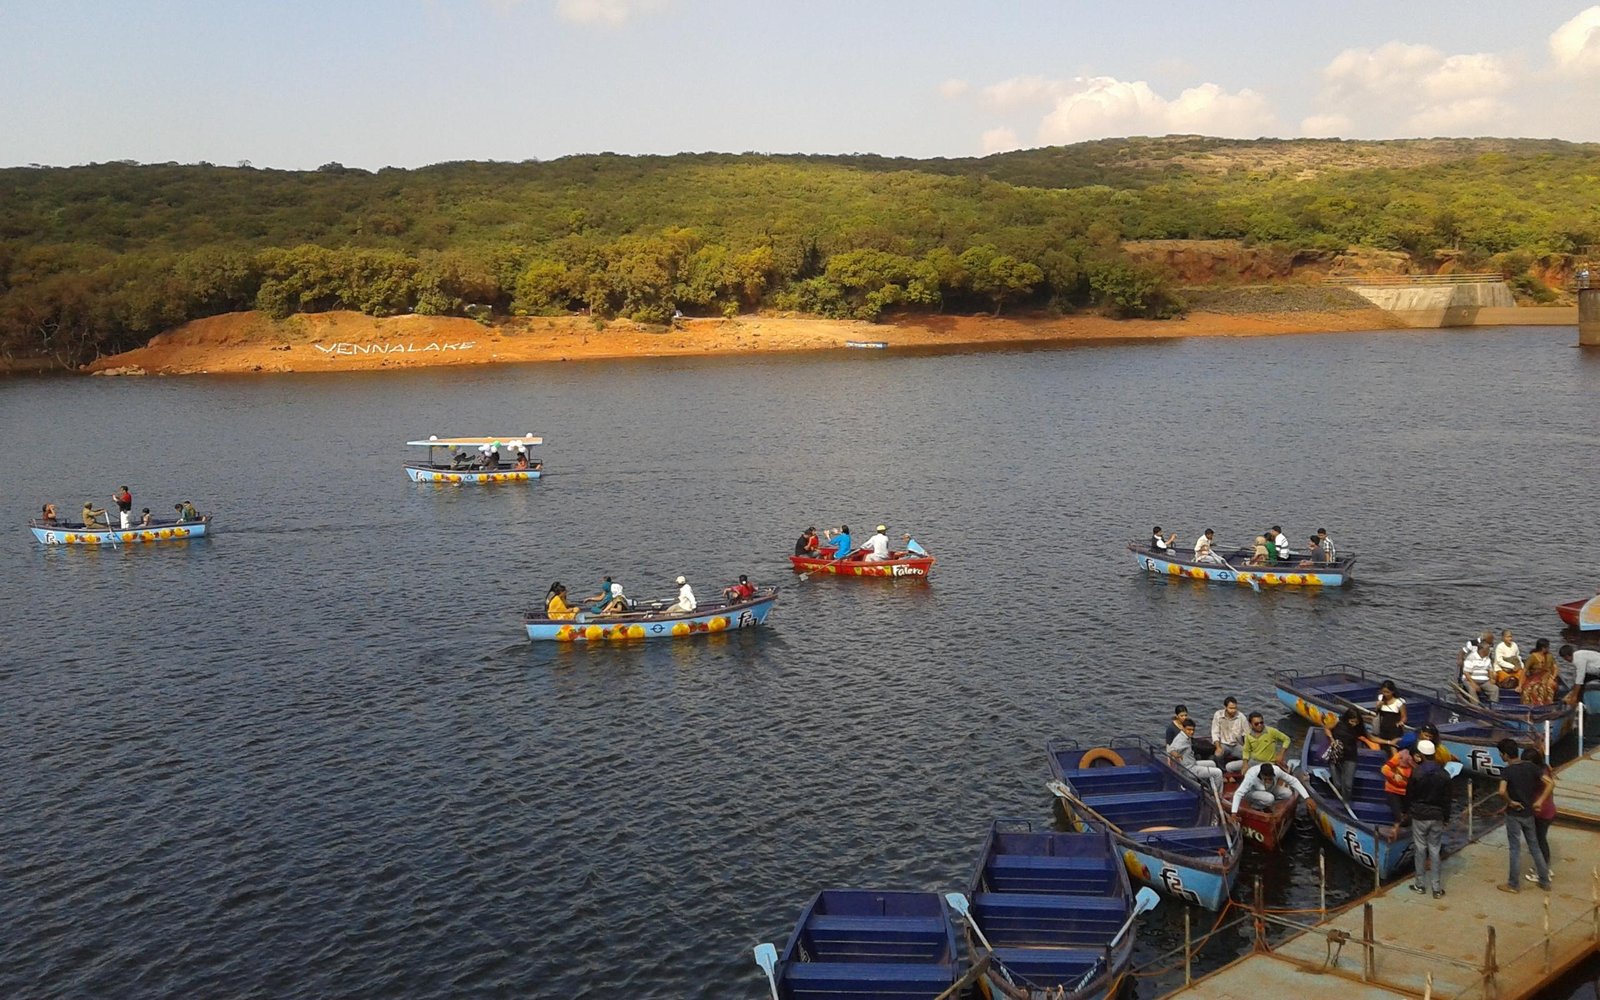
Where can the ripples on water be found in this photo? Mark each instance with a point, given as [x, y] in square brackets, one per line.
[313, 756]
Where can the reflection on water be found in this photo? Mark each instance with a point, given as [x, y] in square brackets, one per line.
[313, 755]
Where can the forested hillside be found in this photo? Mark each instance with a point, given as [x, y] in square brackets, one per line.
[99, 258]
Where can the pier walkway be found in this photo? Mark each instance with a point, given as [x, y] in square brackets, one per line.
[1476, 942]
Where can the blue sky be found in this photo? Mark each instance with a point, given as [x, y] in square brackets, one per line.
[294, 84]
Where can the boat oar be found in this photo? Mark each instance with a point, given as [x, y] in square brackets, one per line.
[767, 958]
[958, 903]
[1325, 776]
[1145, 900]
[1246, 577]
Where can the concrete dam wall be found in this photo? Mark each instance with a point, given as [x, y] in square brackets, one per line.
[1436, 305]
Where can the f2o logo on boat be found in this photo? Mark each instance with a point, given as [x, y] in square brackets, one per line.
[1482, 761]
[1352, 844]
[746, 619]
[1173, 883]
[908, 571]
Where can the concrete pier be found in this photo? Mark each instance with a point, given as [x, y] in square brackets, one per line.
[1589, 317]
[1476, 942]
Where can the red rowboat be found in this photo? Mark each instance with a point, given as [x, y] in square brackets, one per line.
[900, 565]
[1583, 615]
[1266, 828]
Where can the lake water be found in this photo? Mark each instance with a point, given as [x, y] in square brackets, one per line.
[316, 756]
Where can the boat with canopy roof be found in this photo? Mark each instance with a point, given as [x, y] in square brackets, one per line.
[473, 460]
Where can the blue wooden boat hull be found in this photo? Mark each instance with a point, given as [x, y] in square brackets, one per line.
[468, 477]
[709, 618]
[1361, 837]
[165, 531]
[1193, 856]
[1288, 574]
[855, 944]
[1469, 733]
[1510, 712]
[1052, 905]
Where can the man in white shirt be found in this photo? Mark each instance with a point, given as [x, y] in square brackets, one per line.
[1159, 542]
[1507, 659]
[1282, 542]
[1585, 664]
[1477, 672]
[878, 546]
[1228, 729]
[1202, 547]
[686, 601]
[1265, 784]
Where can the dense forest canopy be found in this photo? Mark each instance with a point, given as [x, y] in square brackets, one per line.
[99, 258]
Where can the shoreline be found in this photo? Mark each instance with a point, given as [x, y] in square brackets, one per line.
[348, 341]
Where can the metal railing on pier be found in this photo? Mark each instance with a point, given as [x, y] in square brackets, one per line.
[1404, 280]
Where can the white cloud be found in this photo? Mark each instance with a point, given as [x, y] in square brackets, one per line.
[999, 140]
[1102, 106]
[1398, 88]
[1022, 91]
[953, 88]
[606, 12]
[1325, 126]
[1575, 46]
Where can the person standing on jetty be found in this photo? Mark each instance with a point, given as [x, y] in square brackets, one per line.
[1525, 786]
[1428, 795]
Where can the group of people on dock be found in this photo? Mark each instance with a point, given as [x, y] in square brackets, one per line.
[1271, 548]
[612, 601]
[95, 518]
[1486, 668]
[836, 544]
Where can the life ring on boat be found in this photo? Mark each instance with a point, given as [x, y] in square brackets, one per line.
[1099, 754]
[1155, 829]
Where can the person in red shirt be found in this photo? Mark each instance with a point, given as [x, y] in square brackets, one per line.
[124, 501]
[741, 591]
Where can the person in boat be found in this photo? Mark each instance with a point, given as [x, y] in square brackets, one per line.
[1313, 556]
[1266, 784]
[1259, 556]
[1181, 749]
[841, 542]
[1540, 681]
[1179, 713]
[1477, 672]
[1263, 744]
[144, 517]
[462, 460]
[686, 601]
[1159, 543]
[1427, 731]
[1508, 666]
[1396, 774]
[1203, 547]
[741, 591]
[1228, 729]
[1324, 547]
[1391, 709]
[1269, 541]
[913, 547]
[610, 591]
[522, 459]
[186, 512]
[807, 544]
[1585, 668]
[556, 607]
[47, 514]
[1428, 796]
[124, 501]
[877, 546]
[1344, 742]
[1281, 542]
[92, 516]
[491, 457]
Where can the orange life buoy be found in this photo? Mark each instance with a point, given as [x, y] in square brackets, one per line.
[1102, 755]
[1154, 829]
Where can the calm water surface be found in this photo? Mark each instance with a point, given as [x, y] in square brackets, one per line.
[315, 756]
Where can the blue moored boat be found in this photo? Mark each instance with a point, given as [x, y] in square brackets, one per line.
[653, 620]
[866, 944]
[1052, 911]
[1233, 567]
[156, 531]
[1360, 827]
[1174, 834]
[1471, 733]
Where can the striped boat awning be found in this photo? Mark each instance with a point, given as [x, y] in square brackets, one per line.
[476, 442]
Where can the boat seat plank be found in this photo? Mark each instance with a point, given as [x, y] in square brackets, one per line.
[1063, 876]
[1048, 966]
[874, 979]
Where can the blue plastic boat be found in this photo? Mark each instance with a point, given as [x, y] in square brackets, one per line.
[1359, 827]
[1052, 911]
[1172, 830]
[866, 944]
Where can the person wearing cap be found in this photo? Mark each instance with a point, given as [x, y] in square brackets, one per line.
[92, 516]
[1428, 796]
[913, 547]
[686, 601]
[807, 544]
[124, 501]
[877, 547]
[1266, 784]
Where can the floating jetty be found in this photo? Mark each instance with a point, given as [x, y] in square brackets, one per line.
[1476, 942]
